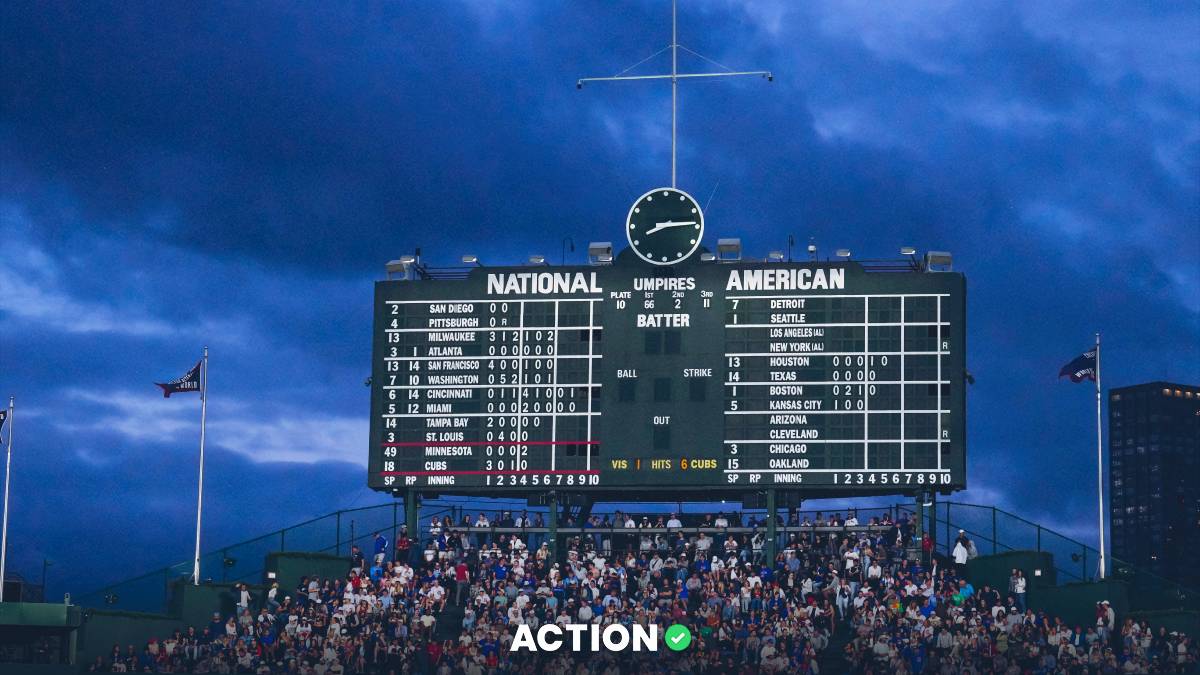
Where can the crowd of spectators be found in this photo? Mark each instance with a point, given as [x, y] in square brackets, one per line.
[838, 598]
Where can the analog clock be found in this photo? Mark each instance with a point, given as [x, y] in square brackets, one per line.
[664, 226]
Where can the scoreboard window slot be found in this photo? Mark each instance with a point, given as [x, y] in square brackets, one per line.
[627, 390]
[920, 368]
[844, 456]
[672, 342]
[920, 309]
[920, 456]
[653, 342]
[884, 310]
[593, 335]
[883, 456]
[842, 427]
[884, 427]
[884, 338]
[697, 390]
[662, 389]
[662, 437]
[846, 310]
[920, 426]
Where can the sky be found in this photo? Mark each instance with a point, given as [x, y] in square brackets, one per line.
[236, 174]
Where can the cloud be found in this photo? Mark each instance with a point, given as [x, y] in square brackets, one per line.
[261, 431]
[31, 290]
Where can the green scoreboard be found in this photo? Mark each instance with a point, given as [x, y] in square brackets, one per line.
[683, 376]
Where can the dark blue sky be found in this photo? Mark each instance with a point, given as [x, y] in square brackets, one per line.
[236, 175]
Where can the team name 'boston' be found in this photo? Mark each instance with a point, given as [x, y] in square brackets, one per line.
[542, 283]
[802, 279]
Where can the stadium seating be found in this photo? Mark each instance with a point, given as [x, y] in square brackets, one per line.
[840, 596]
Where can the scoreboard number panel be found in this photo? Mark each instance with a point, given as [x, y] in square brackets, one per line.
[690, 377]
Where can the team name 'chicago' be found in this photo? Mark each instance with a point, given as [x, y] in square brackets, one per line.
[542, 283]
[802, 279]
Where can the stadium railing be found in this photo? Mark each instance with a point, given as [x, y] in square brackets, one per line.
[993, 530]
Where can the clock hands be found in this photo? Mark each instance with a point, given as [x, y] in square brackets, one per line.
[669, 223]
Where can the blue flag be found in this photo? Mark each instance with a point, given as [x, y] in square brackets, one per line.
[1082, 368]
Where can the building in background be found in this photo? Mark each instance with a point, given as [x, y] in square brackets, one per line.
[1154, 459]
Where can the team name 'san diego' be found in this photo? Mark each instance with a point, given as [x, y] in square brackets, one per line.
[542, 283]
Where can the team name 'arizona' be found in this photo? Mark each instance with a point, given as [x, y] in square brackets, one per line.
[542, 283]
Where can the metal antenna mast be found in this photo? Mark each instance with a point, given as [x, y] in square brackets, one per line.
[675, 77]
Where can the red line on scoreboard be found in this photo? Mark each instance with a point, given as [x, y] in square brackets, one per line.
[481, 473]
[452, 444]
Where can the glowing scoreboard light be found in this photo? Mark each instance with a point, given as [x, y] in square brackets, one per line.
[687, 377]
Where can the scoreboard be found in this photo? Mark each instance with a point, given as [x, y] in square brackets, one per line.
[680, 378]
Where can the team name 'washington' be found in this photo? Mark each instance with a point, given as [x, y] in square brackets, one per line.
[802, 279]
[542, 283]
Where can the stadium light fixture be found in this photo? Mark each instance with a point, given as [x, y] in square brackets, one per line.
[471, 260]
[775, 256]
[707, 257]
[537, 260]
[843, 253]
[939, 261]
[812, 248]
[729, 249]
[401, 265]
[907, 250]
[600, 253]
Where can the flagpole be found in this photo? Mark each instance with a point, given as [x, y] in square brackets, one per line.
[7, 475]
[200, 490]
[1099, 458]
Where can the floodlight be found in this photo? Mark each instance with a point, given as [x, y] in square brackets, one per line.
[400, 265]
[939, 261]
[729, 249]
[600, 253]
[843, 253]
[471, 260]
[775, 256]
[907, 250]
[707, 257]
[537, 260]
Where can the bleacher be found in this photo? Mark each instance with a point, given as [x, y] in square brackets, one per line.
[889, 534]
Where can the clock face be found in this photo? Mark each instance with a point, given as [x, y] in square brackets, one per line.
[664, 226]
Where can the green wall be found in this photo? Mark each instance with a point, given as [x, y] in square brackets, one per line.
[995, 570]
[290, 567]
[102, 628]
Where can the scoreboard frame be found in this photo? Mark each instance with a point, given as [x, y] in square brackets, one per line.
[715, 320]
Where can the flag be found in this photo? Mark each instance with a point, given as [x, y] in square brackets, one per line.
[189, 382]
[3, 419]
[1083, 367]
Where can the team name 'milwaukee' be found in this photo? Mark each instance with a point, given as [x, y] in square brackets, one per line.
[542, 283]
